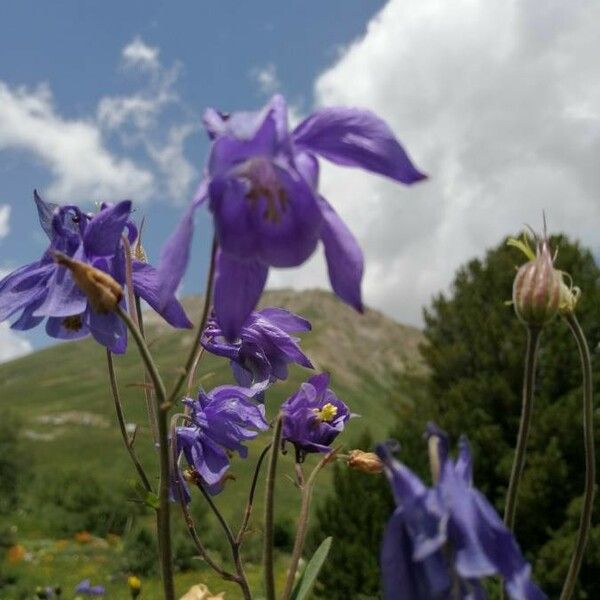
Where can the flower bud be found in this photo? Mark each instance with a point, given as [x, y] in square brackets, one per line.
[367, 462]
[537, 288]
[103, 292]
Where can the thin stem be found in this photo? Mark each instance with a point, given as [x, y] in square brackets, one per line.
[187, 517]
[533, 338]
[302, 526]
[241, 578]
[269, 512]
[196, 347]
[148, 397]
[590, 464]
[121, 419]
[250, 504]
[163, 521]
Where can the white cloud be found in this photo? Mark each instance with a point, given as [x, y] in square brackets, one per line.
[72, 149]
[4, 222]
[137, 54]
[499, 104]
[12, 345]
[83, 154]
[266, 78]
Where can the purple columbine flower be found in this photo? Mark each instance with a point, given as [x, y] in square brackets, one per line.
[262, 188]
[43, 290]
[264, 348]
[313, 417]
[87, 589]
[219, 421]
[441, 541]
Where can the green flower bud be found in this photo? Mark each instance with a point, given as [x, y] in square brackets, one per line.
[537, 289]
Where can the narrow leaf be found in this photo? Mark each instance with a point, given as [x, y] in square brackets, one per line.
[309, 576]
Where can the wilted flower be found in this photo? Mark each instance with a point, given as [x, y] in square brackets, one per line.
[264, 348]
[537, 288]
[442, 540]
[366, 462]
[313, 416]
[262, 187]
[46, 290]
[87, 589]
[219, 421]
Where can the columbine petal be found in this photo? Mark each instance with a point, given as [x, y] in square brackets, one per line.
[358, 138]
[147, 285]
[175, 254]
[238, 286]
[344, 257]
[109, 330]
[284, 319]
[103, 233]
[45, 213]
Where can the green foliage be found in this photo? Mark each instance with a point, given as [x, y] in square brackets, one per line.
[475, 349]
[12, 463]
[140, 553]
[308, 578]
[71, 501]
[354, 514]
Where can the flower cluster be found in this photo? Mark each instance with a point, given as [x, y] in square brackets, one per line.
[441, 541]
[219, 421]
[261, 186]
[46, 290]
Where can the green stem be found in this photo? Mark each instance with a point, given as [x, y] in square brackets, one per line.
[196, 347]
[533, 338]
[250, 504]
[163, 517]
[121, 419]
[302, 528]
[590, 464]
[269, 512]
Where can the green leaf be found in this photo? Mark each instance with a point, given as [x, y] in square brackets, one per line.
[311, 572]
[152, 500]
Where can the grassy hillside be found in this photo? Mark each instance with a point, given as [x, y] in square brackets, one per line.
[62, 394]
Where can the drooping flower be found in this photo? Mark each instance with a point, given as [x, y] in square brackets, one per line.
[264, 348]
[87, 589]
[262, 190]
[219, 420]
[313, 416]
[441, 541]
[45, 290]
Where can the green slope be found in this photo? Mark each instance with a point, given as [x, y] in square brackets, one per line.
[62, 392]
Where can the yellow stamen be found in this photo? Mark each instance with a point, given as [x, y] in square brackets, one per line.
[327, 413]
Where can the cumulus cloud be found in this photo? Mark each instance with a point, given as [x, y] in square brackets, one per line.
[499, 104]
[72, 149]
[84, 154]
[4, 218]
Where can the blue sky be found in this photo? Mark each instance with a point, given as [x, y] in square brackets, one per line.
[498, 102]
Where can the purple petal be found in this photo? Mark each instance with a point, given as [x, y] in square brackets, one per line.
[27, 321]
[285, 320]
[308, 167]
[146, 284]
[55, 328]
[356, 138]
[343, 255]
[64, 296]
[45, 213]
[109, 330]
[23, 287]
[238, 286]
[215, 462]
[103, 232]
[175, 254]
